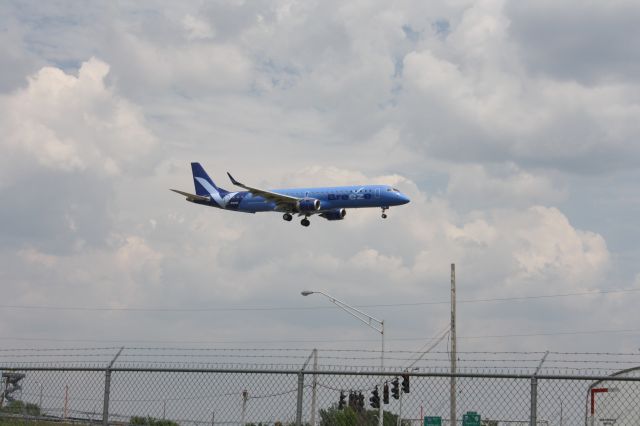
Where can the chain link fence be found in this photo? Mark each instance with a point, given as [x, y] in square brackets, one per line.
[166, 396]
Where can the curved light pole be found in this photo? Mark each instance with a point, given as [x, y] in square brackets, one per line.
[376, 324]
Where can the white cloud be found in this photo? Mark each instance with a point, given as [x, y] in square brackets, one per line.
[67, 123]
[547, 248]
[475, 187]
[195, 67]
[287, 94]
[469, 97]
[197, 28]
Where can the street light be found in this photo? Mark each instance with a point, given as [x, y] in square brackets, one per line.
[374, 323]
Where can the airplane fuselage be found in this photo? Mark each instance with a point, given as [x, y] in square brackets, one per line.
[331, 203]
[331, 198]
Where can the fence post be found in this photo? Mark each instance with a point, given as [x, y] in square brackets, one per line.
[533, 421]
[534, 401]
[299, 404]
[105, 406]
[107, 390]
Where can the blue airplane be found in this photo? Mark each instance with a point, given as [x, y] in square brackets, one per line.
[330, 203]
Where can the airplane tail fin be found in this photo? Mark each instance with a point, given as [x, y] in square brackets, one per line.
[204, 184]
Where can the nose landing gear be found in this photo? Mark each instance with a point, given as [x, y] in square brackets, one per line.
[384, 215]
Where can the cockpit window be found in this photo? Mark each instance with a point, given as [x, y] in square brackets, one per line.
[388, 189]
[395, 190]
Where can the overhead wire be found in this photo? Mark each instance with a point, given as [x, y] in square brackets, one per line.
[324, 350]
[307, 308]
[445, 332]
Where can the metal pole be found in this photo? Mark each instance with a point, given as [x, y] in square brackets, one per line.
[213, 418]
[380, 410]
[107, 390]
[299, 404]
[40, 399]
[245, 396]
[105, 406]
[534, 401]
[368, 320]
[314, 388]
[66, 400]
[534, 392]
[6, 386]
[399, 421]
[452, 383]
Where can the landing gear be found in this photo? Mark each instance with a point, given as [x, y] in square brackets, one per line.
[287, 217]
[384, 215]
[305, 222]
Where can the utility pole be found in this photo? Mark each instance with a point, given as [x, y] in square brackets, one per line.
[452, 390]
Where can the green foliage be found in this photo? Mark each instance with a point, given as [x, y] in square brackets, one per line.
[11, 421]
[350, 417]
[150, 421]
[19, 407]
[275, 424]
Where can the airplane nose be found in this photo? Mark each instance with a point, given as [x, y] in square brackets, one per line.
[404, 199]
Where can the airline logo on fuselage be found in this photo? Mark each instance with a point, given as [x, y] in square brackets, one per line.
[356, 195]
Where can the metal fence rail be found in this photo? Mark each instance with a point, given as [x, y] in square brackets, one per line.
[269, 397]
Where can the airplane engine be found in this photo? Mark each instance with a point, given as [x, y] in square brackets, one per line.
[308, 205]
[337, 214]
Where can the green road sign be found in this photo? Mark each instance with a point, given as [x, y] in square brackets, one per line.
[433, 421]
[471, 419]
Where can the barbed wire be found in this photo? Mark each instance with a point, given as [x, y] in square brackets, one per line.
[291, 358]
[399, 339]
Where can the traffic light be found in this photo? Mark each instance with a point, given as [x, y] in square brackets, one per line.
[343, 401]
[375, 398]
[405, 383]
[395, 389]
[385, 393]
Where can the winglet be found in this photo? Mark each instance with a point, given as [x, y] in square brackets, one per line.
[233, 181]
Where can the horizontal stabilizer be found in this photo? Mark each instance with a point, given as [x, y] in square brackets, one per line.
[192, 197]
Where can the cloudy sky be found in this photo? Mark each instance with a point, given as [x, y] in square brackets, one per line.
[512, 126]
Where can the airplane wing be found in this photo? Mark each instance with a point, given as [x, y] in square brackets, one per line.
[192, 197]
[283, 202]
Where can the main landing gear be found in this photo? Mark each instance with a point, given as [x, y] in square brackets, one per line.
[384, 215]
[288, 217]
